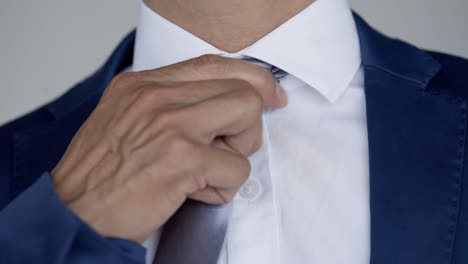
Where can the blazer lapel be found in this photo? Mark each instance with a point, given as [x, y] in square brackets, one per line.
[416, 145]
[38, 149]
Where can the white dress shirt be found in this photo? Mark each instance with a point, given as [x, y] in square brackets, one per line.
[307, 197]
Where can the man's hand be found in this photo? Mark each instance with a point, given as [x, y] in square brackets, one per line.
[161, 136]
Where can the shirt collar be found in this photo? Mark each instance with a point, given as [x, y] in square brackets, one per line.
[319, 45]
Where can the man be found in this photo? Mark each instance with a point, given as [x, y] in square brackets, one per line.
[307, 138]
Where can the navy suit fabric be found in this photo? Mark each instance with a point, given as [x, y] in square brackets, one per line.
[416, 115]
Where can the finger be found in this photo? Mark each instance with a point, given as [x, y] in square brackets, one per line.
[215, 180]
[224, 169]
[208, 67]
[223, 177]
[152, 98]
[189, 166]
[246, 142]
[211, 195]
[226, 114]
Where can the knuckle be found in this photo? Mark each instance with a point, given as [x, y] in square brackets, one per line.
[180, 146]
[119, 81]
[124, 78]
[211, 63]
[165, 119]
[146, 96]
[185, 153]
[157, 94]
[210, 59]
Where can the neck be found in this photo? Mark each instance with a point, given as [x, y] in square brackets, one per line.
[229, 25]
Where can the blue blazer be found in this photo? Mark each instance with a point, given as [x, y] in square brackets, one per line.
[417, 129]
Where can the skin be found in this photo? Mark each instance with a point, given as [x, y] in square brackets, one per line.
[161, 136]
[228, 25]
[184, 131]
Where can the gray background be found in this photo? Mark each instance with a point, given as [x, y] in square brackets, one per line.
[46, 46]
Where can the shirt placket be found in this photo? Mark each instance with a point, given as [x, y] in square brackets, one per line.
[252, 231]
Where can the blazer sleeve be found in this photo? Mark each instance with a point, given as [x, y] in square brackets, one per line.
[36, 227]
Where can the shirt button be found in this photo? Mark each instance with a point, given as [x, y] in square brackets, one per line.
[251, 190]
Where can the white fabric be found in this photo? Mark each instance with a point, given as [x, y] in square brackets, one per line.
[307, 198]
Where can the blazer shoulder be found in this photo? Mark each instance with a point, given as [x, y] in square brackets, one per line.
[453, 75]
[7, 133]
[33, 118]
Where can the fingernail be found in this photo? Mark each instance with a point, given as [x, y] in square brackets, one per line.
[281, 94]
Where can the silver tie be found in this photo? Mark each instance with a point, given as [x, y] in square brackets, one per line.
[195, 233]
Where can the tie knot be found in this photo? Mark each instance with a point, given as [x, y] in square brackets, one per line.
[277, 72]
